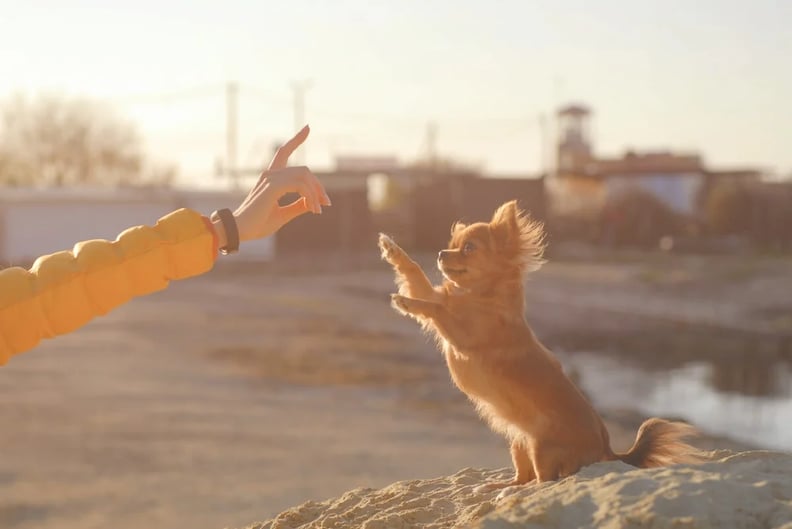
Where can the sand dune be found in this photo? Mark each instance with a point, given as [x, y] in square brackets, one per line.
[735, 490]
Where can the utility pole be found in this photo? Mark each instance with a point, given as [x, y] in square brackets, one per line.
[543, 144]
[431, 144]
[298, 89]
[559, 84]
[232, 96]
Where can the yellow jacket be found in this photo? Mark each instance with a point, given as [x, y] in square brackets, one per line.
[65, 290]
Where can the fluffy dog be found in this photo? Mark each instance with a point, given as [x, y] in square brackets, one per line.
[478, 317]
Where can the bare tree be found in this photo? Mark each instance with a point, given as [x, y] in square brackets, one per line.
[56, 141]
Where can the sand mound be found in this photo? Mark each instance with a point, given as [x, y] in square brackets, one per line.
[744, 490]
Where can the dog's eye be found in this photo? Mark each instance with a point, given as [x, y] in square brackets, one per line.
[468, 247]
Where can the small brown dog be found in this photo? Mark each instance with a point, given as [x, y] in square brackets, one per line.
[518, 387]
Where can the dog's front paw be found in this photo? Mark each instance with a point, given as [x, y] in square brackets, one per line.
[400, 303]
[390, 250]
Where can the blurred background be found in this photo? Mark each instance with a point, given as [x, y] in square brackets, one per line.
[651, 138]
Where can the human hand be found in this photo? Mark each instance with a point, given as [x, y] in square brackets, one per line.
[259, 215]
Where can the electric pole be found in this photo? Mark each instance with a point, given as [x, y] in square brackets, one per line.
[559, 84]
[298, 89]
[543, 144]
[231, 169]
[431, 144]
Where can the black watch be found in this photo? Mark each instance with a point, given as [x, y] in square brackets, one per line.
[231, 230]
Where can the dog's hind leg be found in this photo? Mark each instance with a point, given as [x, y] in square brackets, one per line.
[552, 463]
[523, 463]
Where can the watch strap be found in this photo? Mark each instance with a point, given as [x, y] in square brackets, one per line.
[231, 230]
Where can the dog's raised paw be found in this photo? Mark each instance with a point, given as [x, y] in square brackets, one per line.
[388, 247]
[400, 303]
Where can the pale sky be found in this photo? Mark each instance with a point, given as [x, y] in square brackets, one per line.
[713, 76]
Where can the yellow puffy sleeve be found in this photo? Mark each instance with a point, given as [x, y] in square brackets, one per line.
[65, 290]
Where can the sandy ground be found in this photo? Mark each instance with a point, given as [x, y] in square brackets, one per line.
[231, 397]
[749, 490]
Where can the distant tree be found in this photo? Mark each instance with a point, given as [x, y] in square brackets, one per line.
[57, 141]
[727, 208]
[637, 217]
[760, 212]
[13, 170]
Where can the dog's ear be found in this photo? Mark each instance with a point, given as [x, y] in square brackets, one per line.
[504, 224]
[519, 236]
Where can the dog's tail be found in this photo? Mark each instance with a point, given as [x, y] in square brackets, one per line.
[661, 443]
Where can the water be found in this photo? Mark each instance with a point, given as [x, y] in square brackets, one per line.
[749, 401]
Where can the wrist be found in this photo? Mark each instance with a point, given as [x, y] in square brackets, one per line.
[220, 233]
[224, 223]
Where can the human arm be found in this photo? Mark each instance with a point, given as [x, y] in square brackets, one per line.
[63, 291]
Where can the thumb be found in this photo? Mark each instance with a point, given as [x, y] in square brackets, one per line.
[288, 213]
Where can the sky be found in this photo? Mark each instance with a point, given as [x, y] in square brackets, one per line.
[711, 76]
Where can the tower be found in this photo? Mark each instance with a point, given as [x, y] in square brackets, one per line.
[574, 142]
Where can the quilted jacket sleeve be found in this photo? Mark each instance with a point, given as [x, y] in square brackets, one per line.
[65, 290]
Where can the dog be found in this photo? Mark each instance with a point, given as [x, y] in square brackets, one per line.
[477, 315]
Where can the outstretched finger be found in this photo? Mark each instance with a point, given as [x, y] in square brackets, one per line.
[281, 158]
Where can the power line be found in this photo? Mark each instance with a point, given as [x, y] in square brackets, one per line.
[267, 94]
[299, 89]
[353, 122]
[194, 92]
[419, 121]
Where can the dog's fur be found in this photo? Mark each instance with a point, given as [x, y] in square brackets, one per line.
[518, 387]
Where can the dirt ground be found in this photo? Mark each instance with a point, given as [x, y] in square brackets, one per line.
[230, 397]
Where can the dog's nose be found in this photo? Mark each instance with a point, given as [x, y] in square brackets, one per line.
[440, 255]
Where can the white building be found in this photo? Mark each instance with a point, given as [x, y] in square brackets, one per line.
[35, 222]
